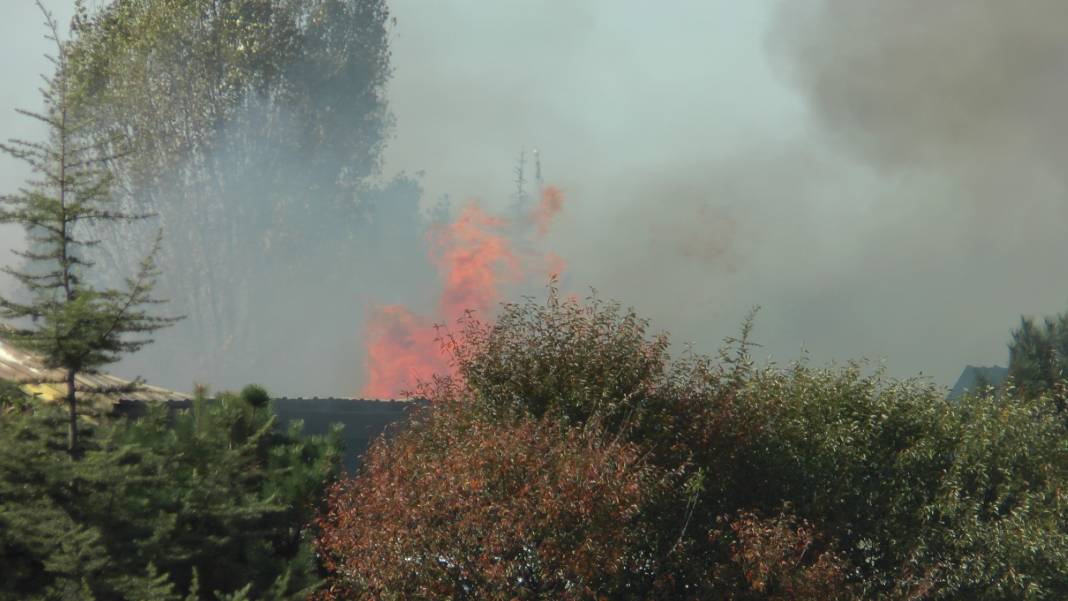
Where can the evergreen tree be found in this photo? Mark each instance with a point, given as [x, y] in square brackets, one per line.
[200, 504]
[72, 326]
[1037, 355]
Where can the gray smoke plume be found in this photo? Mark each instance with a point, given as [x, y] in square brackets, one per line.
[884, 178]
[957, 107]
[967, 86]
[968, 95]
[880, 177]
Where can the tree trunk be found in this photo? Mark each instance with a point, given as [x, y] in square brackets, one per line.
[72, 424]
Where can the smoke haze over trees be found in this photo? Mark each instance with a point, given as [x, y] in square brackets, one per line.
[252, 129]
[703, 149]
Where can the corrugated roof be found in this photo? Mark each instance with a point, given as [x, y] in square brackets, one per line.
[29, 372]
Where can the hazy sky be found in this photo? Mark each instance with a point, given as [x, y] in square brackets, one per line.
[885, 179]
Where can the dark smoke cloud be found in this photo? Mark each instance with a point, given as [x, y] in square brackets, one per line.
[973, 90]
[957, 106]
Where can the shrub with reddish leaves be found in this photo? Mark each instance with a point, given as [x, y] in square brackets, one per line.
[781, 559]
[571, 457]
[459, 506]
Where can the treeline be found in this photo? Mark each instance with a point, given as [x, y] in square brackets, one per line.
[573, 458]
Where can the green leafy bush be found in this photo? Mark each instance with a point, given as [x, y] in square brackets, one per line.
[772, 482]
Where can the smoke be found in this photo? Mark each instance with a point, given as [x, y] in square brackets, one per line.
[884, 179]
[273, 207]
[966, 94]
[285, 316]
[880, 177]
[960, 85]
[955, 108]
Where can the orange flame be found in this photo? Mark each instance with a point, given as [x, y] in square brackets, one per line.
[475, 259]
[552, 202]
[400, 352]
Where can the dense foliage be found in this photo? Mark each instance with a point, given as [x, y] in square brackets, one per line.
[210, 502]
[1038, 356]
[464, 507]
[757, 482]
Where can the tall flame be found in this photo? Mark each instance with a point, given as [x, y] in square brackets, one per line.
[400, 351]
[552, 202]
[475, 259]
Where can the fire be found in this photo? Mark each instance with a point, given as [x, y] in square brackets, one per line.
[476, 260]
[552, 202]
[400, 351]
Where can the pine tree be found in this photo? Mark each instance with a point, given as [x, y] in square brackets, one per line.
[72, 326]
[1037, 357]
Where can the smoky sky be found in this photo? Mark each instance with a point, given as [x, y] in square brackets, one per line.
[956, 107]
[21, 33]
[884, 179]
